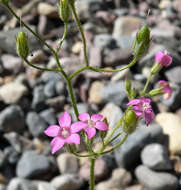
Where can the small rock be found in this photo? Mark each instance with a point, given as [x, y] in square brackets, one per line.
[115, 92]
[100, 171]
[33, 165]
[38, 102]
[60, 88]
[126, 25]
[50, 89]
[120, 179]
[77, 47]
[121, 75]
[173, 75]
[67, 163]
[155, 156]
[12, 119]
[95, 93]
[47, 10]
[67, 182]
[37, 57]
[104, 41]
[171, 125]
[12, 92]
[56, 103]
[36, 124]
[135, 187]
[11, 63]
[49, 116]
[2, 187]
[156, 180]
[164, 4]
[95, 56]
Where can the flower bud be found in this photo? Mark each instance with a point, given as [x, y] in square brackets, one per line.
[22, 47]
[128, 85]
[142, 42]
[104, 133]
[64, 11]
[130, 121]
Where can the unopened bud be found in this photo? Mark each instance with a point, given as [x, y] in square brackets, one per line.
[127, 85]
[130, 122]
[22, 46]
[104, 133]
[142, 42]
[64, 11]
[155, 92]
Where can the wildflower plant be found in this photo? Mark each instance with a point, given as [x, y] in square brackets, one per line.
[68, 134]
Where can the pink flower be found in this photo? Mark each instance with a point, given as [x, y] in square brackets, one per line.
[142, 108]
[64, 132]
[166, 89]
[163, 58]
[94, 122]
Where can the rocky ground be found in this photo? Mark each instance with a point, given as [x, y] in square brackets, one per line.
[31, 100]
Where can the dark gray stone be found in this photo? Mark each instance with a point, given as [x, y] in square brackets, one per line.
[115, 92]
[104, 41]
[49, 116]
[49, 89]
[12, 156]
[128, 154]
[39, 98]
[12, 119]
[155, 156]
[33, 165]
[60, 88]
[36, 124]
[156, 180]
[7, 40]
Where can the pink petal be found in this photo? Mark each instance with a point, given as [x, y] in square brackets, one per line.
[138, 113]
[56, 144]
[137, 108]
[166, 60]
[149, 116]
[78, 126]
[101, 126]
[84, 116]
[64, 120]
[52, 130]
[96, 117]
[159, 56]
[91, 132]
[134, 102]
[73, 139]
[145, 100]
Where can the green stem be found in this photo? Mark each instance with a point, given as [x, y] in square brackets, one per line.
[63, 38]
[146, 85]
[34, 33]
[133, 62]
[114, 138]
[81, 32]
[91, 180]
[40, 68]
[77, 72]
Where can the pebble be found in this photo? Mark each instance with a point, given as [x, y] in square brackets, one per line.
[50, 89]
[33, 165]
[12, 92]
[173, 75]
[126, 25]
[57, 103]
[12, 119]
[171, 124]
[101, 171]
[67, 182]
[37, 57]
[155, 156]
[49, 116]
[120, 179]
[2, 187]
[47, 10]
[36, 124]
[156, 180]
[95, 92]
[67, 163]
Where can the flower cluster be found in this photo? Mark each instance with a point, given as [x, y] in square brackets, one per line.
[66, 132]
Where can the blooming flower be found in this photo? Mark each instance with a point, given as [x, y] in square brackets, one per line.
[163, 58]
[165, 88]
[64, 132]
[142, 107]
[92, 123]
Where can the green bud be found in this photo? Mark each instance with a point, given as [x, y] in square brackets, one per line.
[142, 42]
[132, 93]
[22, 46]
[130, 122]
[64, 11]
[104, 133]
[156, 68]
[155, 92]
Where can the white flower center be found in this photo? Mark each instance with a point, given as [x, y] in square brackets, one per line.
[145, 106]
[91, 123]
[65, 133]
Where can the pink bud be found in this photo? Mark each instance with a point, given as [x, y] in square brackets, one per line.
[163, 58]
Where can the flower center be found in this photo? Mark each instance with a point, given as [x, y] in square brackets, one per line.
[145, 106]
[65, 133]
[91, 123]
